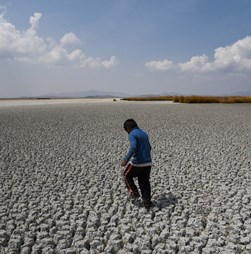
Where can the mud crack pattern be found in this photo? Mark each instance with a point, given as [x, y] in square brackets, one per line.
[61, 189]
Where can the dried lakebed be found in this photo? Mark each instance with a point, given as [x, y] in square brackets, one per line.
[61, 189]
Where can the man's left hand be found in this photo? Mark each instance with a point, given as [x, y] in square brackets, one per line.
[123, 163]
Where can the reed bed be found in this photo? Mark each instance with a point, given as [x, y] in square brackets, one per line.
[194, 99]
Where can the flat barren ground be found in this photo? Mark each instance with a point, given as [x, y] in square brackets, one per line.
[61, 189]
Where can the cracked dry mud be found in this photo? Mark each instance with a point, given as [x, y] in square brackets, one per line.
[61, 189]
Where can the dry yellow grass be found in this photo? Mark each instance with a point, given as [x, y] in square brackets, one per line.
[194, 99]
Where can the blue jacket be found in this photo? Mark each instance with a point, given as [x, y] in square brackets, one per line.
[140, 148]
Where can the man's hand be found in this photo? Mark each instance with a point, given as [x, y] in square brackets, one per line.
[123, 163]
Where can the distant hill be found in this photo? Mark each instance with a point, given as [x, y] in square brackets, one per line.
[109, 94]
[100, 94]
[86, 94]
[157, 95]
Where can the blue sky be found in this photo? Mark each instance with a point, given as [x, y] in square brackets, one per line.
[131, 46]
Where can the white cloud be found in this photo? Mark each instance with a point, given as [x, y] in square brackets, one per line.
[97, 62]
[235, 57]
[109, 63]
[160, 65]
[69, 38]
[27, 46]
[34, 21]
[197, 63]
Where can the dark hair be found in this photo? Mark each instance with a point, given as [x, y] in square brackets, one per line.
[130, 123]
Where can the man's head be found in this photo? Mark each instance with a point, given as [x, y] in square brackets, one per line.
[129, 124]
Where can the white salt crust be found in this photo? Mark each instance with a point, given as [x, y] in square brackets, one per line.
[61, 189]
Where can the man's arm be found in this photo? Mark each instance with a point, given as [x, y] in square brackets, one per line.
[131, 151]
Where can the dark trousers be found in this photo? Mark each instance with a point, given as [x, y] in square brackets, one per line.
[143, 175]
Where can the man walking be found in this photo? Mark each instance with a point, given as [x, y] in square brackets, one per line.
[140, 164]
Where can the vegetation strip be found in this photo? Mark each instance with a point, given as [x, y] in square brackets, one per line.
[194, 99]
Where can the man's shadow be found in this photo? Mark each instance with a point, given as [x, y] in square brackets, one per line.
[163, 200]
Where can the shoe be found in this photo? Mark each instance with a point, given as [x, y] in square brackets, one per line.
[148, 205]
[135, 199]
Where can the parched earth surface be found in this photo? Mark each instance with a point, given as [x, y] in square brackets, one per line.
[61, 189]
